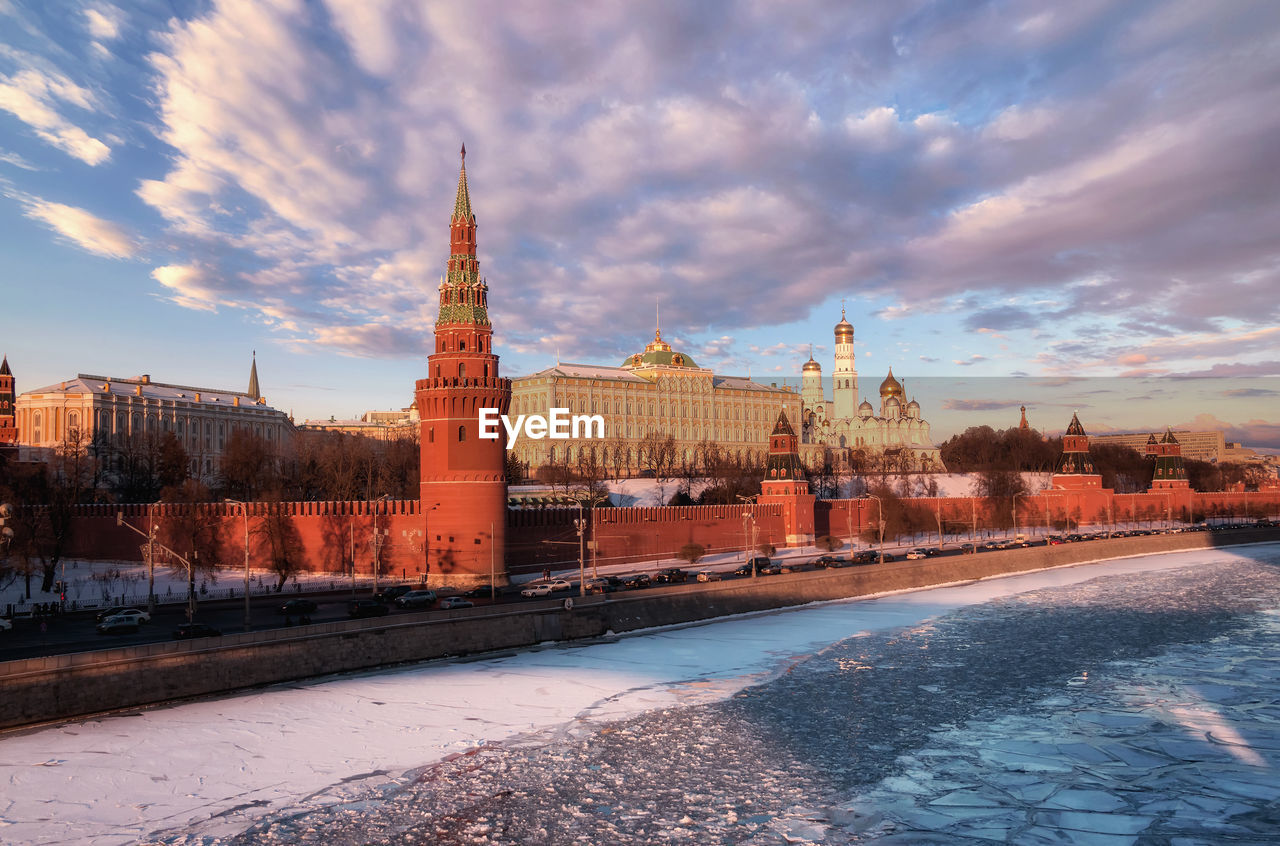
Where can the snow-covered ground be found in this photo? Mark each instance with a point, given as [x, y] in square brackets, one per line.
[650, 492]
[211, 768]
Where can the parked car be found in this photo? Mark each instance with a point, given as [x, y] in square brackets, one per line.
[560, 584]
[393, 593]
[5, 625]
[888, 556]
[187, 631]
[111, 612]
[537, 589]
[768, 567]
[866, 556]
[357, 608]
[298, 607]
[416, 599]
[709, 576]
[120, 623]
[916, 554]
[636, 581]
[828, 561]
[480, 592]
[603, 584]
[456, 602]
[968, 548]
[671, 575]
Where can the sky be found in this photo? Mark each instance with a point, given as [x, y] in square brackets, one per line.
[989, 189]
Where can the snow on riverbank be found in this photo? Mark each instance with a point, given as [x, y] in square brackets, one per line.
[212, 767]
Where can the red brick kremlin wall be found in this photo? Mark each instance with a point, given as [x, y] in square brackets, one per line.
[538, 538]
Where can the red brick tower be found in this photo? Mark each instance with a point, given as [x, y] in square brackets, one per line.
[785, 484]
[1170, 470]
[8, 413]
[464, 482]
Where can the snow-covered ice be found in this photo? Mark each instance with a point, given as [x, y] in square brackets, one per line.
[937, 713]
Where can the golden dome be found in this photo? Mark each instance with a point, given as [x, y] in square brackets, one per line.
[890, 387]
[812, 366]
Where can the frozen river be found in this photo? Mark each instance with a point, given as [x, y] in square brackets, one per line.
[1133, 701]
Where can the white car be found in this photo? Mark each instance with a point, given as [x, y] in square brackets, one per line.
[132, 614]
[5, 625]
[913, 554]
[120, 623]
[709, 576]
[538, 589]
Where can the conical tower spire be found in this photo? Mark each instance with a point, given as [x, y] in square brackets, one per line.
[254, 392]
[4, 367]
[462, 202]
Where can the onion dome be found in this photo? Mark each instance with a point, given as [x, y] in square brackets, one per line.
[866, 409]
[812, 366]
[890, 387]
[892, 402]
[913, 406]
[844, 330]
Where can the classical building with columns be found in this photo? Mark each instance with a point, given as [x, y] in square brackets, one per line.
[895, 430]
[659, 392]
[109, 411]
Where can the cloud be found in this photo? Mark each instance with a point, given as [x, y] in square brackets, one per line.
[1002, 318]
[1264, 434]
[971, 360]
[32, 97]
[1250, 392]
[86, 230]
[103, 21]
[17, 161]
[191, 286]
[978, 405]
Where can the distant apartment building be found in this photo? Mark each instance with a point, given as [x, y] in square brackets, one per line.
[109, 413]
[1200, 446]
[381, 425]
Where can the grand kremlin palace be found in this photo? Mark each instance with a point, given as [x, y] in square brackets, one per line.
[660, 392]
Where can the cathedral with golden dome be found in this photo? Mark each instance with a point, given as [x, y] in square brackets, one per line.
[895, 434]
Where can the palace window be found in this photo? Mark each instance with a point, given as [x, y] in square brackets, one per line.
[462, 434]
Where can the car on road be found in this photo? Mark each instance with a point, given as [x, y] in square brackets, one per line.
[603, 584]
[456, 602]
[111, 612]
[671, 575]
[187, 631]
[829, 561]
[298, 606]
[120, 623]
[416, 599]
[866, 556]
[559, 584]
[5, 625]
[480, 592]
[767, 567]
[636, 581]
[969, 548]
[536, 589]
[132, 614]
[916, 554]
[709, 576]
[358, 608]
[393, 593]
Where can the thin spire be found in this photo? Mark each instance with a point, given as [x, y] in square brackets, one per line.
[657, 319]
[462, 202]
[4, 366]
[254, 392]
[842, 308]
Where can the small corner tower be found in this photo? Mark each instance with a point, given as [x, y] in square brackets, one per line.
[464, 482]
[845, 375]
[8, 412]
[785, 483]
[1170, 470]
[1075, 467]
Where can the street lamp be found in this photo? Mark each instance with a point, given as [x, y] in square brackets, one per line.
[244, 509]
[749, 514]
[377, 542]
[880, 521]
[585, 498]
[1015, 512]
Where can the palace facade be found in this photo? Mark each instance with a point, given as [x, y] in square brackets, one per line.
[108, 411]
[651, 395]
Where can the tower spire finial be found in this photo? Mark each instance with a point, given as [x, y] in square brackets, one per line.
[842, 317]
[464, 153]
[657, 320]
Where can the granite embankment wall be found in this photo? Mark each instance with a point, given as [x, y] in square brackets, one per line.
[63, 686]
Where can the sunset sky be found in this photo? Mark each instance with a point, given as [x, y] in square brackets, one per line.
[994, 189]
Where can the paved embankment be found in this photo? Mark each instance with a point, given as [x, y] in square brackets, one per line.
[62, 686]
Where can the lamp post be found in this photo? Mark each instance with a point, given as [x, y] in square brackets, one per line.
[377, 542]
[585, 499]
[879, 521]
[244, 509]
[749, 515]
